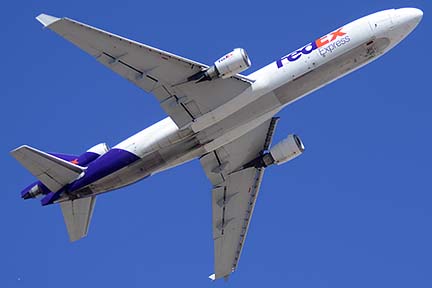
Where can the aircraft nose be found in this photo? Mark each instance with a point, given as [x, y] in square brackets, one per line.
[408, 18]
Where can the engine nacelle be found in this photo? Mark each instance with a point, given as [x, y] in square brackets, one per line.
[287, 149]
[92, 154]
[34, 190]
[227, 66]
[284, 151]
[99, 149]
[232, 63]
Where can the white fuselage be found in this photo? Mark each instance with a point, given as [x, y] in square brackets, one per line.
[163, 145]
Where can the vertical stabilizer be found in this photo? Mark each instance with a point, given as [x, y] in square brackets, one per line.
[77, 216]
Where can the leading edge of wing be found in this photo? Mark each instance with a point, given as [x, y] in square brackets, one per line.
[47, 20]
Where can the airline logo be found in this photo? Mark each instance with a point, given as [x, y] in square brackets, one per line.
[226, 57]
[335, 39]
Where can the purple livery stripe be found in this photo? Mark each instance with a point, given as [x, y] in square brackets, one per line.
[86, 158]
[112, 161]
[82, 160]
[65, 157]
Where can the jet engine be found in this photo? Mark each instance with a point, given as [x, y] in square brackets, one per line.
[287, 149]
[284, 151]
[232, 63]
[92, 154]
[34, 190]
[227, 66]
[99, 149]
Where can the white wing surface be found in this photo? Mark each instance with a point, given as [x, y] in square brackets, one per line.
[77, 215]
[152, 70]
[234, 193]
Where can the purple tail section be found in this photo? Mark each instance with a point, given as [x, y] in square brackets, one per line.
[108, 163]
[82, 160]
[38, 189]
[99, 161]
[66, 157]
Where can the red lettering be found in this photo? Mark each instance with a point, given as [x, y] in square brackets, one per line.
[321, 42]
[336, 34]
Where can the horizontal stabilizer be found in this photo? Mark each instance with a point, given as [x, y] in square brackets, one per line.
[52, 171]
[77, 215]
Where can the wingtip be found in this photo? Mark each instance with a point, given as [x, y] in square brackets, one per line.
[18, 149]
[46, 20]
[213, 277]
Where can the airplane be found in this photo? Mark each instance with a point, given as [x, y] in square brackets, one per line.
[225, 119]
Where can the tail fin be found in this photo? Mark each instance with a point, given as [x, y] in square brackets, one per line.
[55, 172]
[52, 171]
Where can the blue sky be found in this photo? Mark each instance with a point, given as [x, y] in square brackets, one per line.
[355, 210]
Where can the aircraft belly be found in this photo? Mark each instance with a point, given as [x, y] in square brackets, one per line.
[149, 164]
[160, 135]
[239, 123]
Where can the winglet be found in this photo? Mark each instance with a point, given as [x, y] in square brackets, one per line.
[212, 277]
[46, 20]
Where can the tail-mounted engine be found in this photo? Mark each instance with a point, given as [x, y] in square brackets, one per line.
[227, 66]
[34, 190]
[91, 154]
[99, 149]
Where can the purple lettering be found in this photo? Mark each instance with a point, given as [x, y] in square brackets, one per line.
[294, 56]
[309, 48]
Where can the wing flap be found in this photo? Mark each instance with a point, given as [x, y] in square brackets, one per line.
[77, 216]
[52, 171]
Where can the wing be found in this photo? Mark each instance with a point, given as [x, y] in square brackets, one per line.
[234, 193]
[151, 69]
[77, 215]
[52, 171]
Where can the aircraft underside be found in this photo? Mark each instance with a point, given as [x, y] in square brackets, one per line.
[225, 119]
